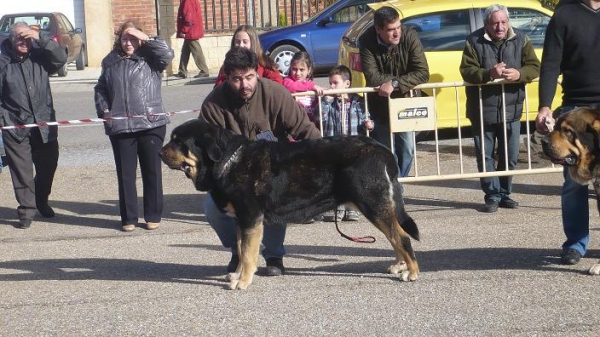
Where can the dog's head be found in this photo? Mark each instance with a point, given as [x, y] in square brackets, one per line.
[194, 148]
[575, 143]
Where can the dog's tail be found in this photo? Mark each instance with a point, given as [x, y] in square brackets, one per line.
[406, 222]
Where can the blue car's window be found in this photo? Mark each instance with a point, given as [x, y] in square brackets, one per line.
[350, 13]
[441, 31]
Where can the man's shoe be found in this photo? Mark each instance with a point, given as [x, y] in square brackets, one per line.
[152, 225]
[24, 223]
[275, 266]
[570, 256]
[491, 206]
[329, 216]
[202, 75]
[128, 228]
[46, 211]
[508, 203]
[351, 216]
[180, 75]
[233, 263]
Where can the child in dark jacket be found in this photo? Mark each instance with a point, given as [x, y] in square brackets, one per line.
[343, 114]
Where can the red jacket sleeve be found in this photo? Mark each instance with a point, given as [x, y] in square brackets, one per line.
[298, 86]
[220, 77]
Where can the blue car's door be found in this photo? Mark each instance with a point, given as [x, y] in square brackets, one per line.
[327, 32]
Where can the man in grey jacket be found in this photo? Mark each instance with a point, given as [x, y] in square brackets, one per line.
[492, 53]
[27, 59]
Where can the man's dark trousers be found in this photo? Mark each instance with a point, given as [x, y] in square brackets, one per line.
[22, 157]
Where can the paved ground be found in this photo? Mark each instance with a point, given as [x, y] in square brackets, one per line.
[481, 274]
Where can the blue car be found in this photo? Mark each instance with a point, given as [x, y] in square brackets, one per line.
[319, 36]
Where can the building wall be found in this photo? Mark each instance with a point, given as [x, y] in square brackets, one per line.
[214, 46]
[99, 29]
[104, 18]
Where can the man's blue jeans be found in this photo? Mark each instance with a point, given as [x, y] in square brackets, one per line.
[575, 210]
[225, 227]
[497, 188]
[404, 146]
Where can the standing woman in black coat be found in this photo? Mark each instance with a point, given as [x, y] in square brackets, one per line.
[128, 96]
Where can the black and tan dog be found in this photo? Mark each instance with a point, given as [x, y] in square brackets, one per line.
[281, 182]
[575, 144]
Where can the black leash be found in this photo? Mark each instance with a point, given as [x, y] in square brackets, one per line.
[362, 239]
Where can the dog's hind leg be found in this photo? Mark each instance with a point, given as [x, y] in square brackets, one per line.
[384, 218]
[248, 249]
[406, 261]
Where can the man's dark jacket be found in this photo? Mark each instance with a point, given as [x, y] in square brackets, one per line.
[480, 55]
[405, 62]
[25, 95]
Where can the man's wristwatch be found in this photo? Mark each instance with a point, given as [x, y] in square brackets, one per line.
[395, 83]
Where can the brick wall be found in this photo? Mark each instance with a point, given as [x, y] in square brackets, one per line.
[143, 12]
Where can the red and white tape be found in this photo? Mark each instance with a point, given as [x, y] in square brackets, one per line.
[90, 120]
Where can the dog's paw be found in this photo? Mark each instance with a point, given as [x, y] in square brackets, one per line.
[233, 284]
[408, 276]
[595, 270]
[232, 277]
[397, 268]
[239, 284]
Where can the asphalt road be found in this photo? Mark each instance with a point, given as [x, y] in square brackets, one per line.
[481, 274]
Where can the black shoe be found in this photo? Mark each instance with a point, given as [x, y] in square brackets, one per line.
[570, 256]
[313, 219]
[275, 266]
[508, 203]
[180, 75]
[24, 223]
[46, 211]
[233, 263]
[202, 75]
[491, 206]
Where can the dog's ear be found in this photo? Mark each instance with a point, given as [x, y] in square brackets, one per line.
[590, 139]
[208, 142]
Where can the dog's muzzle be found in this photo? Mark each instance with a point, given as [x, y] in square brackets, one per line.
[570, 160]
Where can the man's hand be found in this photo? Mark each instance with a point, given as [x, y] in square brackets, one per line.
[497, 71]
[30, 34]
[511, 74]
[385, 89]
[543, 120]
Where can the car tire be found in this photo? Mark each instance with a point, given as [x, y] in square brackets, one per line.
[80, 62]
[62, 72]
[282, 55]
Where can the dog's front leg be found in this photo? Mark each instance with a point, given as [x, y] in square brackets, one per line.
[248, 249]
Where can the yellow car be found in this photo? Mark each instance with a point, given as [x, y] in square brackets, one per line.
[443, 27]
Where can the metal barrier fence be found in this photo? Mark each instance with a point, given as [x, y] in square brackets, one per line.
[454, 157]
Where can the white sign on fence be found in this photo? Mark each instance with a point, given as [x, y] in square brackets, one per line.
[412, 114]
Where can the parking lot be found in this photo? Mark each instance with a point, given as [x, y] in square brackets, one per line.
[481, 274]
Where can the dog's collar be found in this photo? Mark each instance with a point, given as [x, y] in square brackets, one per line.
[225, 165]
